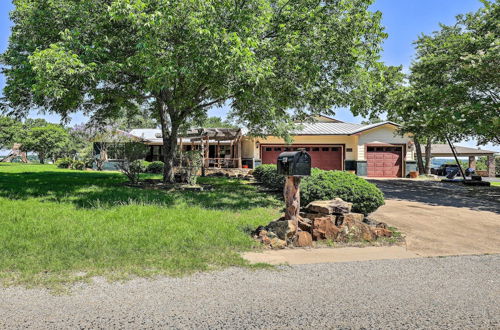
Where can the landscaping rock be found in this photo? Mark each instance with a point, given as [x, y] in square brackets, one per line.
[382, 232]
[382, 225]
[334, 206]
[356, 231]
[349, 219]
[277, 243]
[324, 228]
[284, 229]
[304, 239]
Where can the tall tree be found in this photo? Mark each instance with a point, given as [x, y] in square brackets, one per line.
[10, 132]
[272, 61]
[46, 141]
[456, 78]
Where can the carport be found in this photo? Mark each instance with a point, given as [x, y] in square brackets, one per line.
[444, 150]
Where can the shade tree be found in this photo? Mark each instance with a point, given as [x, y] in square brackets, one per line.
[272, 61]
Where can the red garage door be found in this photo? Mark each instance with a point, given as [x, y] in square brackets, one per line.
[384, 161]
[326, 157]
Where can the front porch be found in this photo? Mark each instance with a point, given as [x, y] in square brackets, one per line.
[220, 147]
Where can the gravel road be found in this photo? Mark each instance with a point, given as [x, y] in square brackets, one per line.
[453, 292]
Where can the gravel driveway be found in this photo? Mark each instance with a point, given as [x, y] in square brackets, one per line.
[442, 218]
[453, 292]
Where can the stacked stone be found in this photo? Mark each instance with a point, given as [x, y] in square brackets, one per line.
[321, 220]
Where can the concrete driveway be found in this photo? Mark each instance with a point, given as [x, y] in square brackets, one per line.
[442, 218]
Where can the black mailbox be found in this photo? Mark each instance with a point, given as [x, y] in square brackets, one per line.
[294, 163]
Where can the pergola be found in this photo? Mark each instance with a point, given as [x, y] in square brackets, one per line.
[205, 137]
[444, 150]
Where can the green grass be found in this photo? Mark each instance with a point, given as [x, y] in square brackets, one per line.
[495, 184]
[60, 226]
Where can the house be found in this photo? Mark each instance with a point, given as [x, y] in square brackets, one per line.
[375, 150]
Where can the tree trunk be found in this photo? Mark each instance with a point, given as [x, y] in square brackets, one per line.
[169, 130]
[418, 149]
[428, 156]
[41, 158]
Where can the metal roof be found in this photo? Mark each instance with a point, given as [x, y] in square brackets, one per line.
[333, 128]
[315, 128]
[444, 149]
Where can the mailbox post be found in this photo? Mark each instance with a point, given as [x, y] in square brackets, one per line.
[294, 165]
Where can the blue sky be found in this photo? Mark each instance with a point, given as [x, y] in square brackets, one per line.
[404, 20]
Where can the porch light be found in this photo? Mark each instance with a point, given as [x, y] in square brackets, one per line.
[257, 144]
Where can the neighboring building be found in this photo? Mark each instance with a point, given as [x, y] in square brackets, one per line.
[375, 150]
[444, 150]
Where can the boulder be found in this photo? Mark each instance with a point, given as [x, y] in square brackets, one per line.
[382, 225]
[324, 228]
[277, 243]
[334, 206]
[349, 219]
[303, 239]
[354, 230]
[284, 229]
[382, 232]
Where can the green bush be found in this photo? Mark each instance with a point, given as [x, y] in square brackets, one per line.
[64, 162]
[325, 185]
[155, 167]
[266, 174]
[78, 165]
[132, 169]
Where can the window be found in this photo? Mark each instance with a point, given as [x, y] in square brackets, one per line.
[326, 149]
[277, 149]
[335, 149]
[371, 149]
[308, 149]
[379, 148]
[269, 149]
[286, 149]
[348, 149]
[315, 149]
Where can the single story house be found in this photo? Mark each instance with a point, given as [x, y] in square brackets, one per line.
[375, 150]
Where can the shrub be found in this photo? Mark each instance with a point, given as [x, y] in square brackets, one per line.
[64, 162]
[78, 165]
[132, 169]
[191, 163]
[155, 167]
[323, 185]
[266, 174]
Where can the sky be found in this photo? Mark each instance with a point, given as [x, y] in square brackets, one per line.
[404, 21]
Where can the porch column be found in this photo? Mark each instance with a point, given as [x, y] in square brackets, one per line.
[472, 162]
[239, 153]
[491, 166]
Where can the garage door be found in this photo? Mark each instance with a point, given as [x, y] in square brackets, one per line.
[384, 161]
[326, 157]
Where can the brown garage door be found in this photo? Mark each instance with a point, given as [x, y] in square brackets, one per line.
[326, 157]
[384, 161]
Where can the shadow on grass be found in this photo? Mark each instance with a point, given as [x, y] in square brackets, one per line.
[102, 190]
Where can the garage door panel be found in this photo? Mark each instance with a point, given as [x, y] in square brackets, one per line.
[384, 161]
[325, 157]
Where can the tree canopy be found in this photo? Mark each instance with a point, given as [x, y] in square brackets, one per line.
[274, 61]
[453, 89]
[46, 140]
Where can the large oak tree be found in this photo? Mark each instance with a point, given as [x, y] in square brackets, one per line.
[272, 61]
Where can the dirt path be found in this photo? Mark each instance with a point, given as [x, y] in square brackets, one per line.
[442, 219]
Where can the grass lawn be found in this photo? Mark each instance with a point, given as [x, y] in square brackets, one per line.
[60, 226]
[495, 184]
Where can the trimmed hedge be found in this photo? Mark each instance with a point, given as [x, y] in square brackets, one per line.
[266, 174]
[64, 162]
[325, 185]
[155, 167]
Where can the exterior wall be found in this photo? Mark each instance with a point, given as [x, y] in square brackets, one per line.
[348, 141]
[386, 134]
